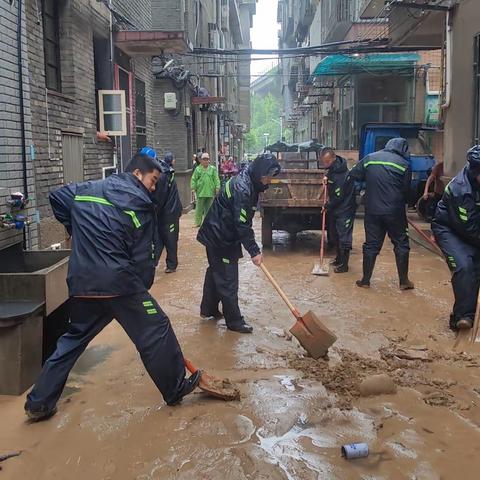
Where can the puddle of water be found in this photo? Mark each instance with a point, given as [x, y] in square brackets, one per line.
[92, 357]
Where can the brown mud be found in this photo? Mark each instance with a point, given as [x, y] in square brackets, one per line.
[294, 413]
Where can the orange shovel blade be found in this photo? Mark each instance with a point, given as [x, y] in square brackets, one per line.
[313, 335]
[216, 387]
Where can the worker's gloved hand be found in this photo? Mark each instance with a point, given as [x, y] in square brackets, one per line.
[257, 260]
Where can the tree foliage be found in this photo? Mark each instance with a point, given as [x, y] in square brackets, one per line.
[265, 118]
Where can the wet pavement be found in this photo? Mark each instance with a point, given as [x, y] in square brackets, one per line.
[294, 413]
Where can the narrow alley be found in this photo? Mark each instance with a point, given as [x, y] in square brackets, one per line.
[294, 413]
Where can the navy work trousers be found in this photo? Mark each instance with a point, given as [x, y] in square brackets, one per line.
[377, 226]
[144, 322]
[342, 231]
[168, 233]
[463, 260]
[221, 285]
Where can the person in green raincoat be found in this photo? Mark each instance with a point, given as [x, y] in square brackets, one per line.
[206, 184]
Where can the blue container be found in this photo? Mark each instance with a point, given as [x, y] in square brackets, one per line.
[355, 450]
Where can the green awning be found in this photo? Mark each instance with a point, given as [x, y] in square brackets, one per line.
[376, 62]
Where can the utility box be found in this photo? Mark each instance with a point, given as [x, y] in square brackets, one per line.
[170, 101]
[21, 331]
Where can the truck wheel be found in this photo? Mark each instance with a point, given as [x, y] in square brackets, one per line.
[267, 240]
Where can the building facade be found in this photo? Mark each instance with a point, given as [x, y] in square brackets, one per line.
[72, 49]
[16, 156]
[330, 97]
[454, 27]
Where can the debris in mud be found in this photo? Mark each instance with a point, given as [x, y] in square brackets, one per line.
[9, 455]
[439, 399]
[377, 385]
[220, 388]
[410, 353]
[355, 450]
[344, 378]
[269, 351]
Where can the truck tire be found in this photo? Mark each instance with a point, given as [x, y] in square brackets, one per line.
[267, 235]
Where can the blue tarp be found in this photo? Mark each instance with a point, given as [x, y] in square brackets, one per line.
[376, 62]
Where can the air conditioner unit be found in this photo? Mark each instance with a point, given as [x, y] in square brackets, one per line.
[170, 101]
[326, 108]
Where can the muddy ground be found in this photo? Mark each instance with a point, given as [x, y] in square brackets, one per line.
[294, 413]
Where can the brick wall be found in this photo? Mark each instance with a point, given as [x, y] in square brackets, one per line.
[11, 174]
[171, 128]
[168, 14]
[71, 111]
[139, 12]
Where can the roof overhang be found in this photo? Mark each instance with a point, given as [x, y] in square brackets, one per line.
[148, 43]
[356, 64]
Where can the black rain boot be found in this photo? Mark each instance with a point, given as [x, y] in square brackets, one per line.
[343, 267]
[402, 268]
[368, 266]
[188, 386]
[464, 323]
[337, 261]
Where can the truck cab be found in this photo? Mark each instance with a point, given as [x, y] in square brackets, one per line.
[374, 136]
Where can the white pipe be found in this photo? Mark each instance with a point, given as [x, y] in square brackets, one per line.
[448, 62]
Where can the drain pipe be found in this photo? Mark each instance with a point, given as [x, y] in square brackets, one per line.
[448, 61]
[22, 109]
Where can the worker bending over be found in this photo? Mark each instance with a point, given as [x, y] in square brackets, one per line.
[228, 226]
[387, 178]
[341, 206]
[111, 268]
[456, 227]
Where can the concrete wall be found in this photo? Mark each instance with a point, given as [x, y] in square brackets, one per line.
[11, 176]
[459, 116]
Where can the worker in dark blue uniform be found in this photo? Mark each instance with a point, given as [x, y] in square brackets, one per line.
[228, 226]
[169, 208]
[387, 178]
[112, 266]
[341, 206]
[456, 227]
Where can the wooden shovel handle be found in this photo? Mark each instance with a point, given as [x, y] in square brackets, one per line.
[324, 217]
[190, 367]
[476, 321]
[425, 237]
[277, 287]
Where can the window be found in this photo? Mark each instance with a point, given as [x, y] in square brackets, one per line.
[140, 114]
[113, 118]
[51, 44]
[476, 104]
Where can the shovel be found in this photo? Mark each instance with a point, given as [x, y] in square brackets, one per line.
[321, 268]
[465, 339]
[426, 237]
[216, 387]
[312, 334]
